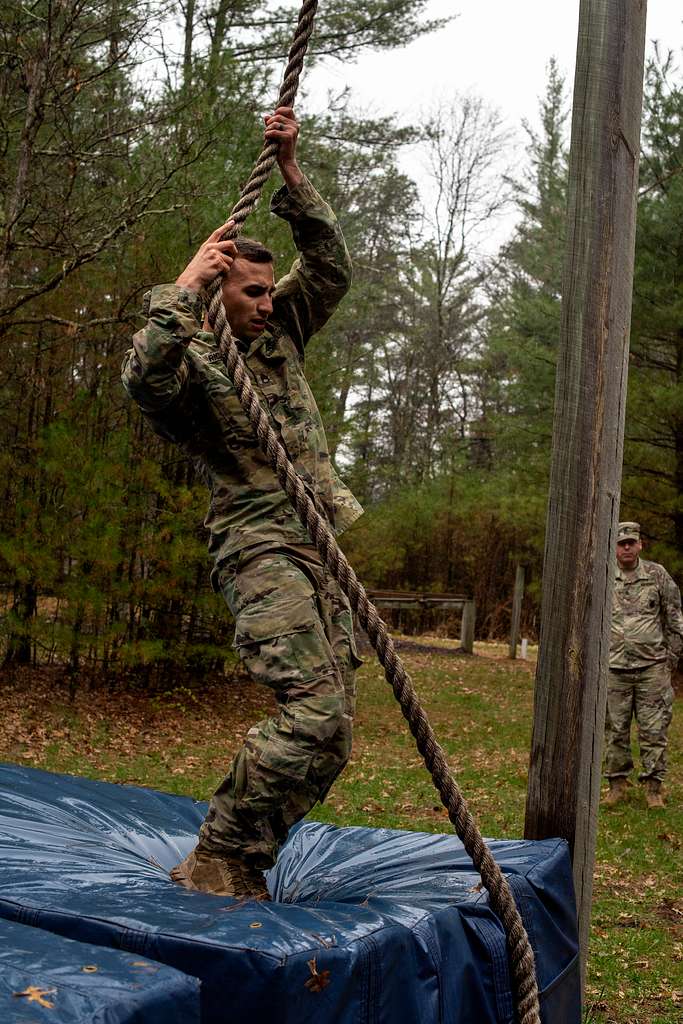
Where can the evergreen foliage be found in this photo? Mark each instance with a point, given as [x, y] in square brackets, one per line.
[653, 459]
[121, 151]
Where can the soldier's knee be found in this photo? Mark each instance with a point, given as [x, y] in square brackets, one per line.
[318, 717]
[332, 759]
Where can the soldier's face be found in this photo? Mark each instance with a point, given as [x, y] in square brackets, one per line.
[248, 297]
[628, 552]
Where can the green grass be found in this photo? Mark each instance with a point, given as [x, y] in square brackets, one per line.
[480, 709]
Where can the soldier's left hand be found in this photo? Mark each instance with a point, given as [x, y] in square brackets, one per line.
[282, 127]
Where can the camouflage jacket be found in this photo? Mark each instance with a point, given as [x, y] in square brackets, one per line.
[175, 374]
[647, 624]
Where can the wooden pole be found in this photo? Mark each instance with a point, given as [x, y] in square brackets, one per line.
[467, 627]
[517, 597]
[569, 711]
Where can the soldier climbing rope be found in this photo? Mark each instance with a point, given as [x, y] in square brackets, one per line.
[519, 949]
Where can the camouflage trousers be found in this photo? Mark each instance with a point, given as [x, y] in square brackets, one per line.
[294, 633]
[648, 695]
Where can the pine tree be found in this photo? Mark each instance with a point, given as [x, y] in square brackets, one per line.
[652, 491]
[525, 299]
[111, 179]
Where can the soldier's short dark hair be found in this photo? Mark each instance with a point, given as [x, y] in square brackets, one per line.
[250, 249]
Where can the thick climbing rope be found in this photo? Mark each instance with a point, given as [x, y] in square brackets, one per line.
[500, 896]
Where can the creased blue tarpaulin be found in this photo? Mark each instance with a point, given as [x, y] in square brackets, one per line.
[45, 979]
[368, 926]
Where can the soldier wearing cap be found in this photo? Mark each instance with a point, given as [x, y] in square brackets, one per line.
[646, 641]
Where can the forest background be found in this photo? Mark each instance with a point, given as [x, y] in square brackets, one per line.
[435, 377]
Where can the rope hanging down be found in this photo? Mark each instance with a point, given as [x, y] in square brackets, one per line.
[501, 899]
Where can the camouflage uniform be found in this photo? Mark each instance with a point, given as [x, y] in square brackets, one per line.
[293, 625]
[294, 633]
[646, 640]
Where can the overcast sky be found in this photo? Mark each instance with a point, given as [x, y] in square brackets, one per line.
[494, 49]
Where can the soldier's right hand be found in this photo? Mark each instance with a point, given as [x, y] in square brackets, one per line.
[211, 259]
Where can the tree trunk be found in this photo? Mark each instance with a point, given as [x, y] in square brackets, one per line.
[678, 449]
[24, 607]
[187, 50]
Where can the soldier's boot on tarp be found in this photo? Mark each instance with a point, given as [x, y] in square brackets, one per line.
[617, 791]
[204, 871]
[653, 794]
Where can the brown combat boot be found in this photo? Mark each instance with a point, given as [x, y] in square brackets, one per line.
[617, 791]
[203, 871]
[653, 794]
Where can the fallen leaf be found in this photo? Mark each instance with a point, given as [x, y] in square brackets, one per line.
[318, 980]
[236, 906]
[667, 837]
[33, 994]
[627, 921]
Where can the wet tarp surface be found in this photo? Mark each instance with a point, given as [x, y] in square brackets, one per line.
[367, 926]
[46, 979]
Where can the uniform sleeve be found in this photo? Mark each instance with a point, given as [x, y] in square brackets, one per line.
[672, 617]
[155, 371]
[306, 297]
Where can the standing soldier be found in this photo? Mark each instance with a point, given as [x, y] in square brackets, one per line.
[293, 624]
[646, 640]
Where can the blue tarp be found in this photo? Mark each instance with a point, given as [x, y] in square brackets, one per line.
[45, 979]
[368, 926]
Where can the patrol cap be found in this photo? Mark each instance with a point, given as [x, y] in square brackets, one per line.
[628, 531]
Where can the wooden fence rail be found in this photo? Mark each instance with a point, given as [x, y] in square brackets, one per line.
[403, 600]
